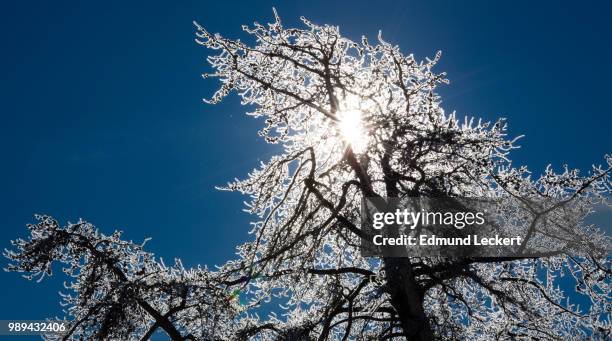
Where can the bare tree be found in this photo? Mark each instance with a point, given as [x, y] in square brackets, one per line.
[354, 120]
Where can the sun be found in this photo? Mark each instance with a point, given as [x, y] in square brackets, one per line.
[351, 124]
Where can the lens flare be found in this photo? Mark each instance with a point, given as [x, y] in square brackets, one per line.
[351, 124]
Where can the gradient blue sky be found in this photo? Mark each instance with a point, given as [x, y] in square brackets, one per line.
[102, 117]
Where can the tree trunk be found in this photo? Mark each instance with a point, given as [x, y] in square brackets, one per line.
[407, 299]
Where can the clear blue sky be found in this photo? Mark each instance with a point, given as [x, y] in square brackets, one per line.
[102, 118]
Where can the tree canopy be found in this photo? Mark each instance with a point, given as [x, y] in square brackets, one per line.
[353, 120]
